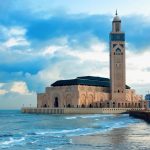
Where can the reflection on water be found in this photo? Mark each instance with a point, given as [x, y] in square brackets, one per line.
[135, 136]
[67, 132]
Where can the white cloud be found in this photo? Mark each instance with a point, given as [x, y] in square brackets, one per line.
[1, 85]
[49, 74]
[16, 31]
[89, 7]
[14, 36]
[2, 92]
[19, 87]
[18, 41]
[50, 50]
[95, 61]
[136, 67]
[96, 52]
[15, 100]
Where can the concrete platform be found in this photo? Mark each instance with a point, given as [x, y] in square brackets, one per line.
[78, 110]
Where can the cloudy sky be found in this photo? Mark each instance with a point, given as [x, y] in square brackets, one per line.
[45, 40]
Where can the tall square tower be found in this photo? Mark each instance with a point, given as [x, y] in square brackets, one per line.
[117, 61]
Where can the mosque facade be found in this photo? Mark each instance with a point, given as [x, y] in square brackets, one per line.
[96, 92]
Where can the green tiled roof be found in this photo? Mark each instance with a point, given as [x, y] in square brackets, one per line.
[85, 80]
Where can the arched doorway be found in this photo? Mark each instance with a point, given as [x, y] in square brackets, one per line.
[90, 100]
[107, 104]
[96, 105]
[83, 100]
[83, 106]
[45, 105]
[128, 105]
[68, 105]
[56, 104]
[100, 105]
[68, 101]
[113, 104]
[90, 105]
[139, 105]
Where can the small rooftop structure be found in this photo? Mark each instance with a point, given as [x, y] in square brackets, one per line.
[116, 18]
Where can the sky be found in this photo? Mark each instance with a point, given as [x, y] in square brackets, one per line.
[42, 41]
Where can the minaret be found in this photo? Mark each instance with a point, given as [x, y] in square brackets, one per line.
[117, 61]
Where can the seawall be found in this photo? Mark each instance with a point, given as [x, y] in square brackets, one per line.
[145, 115]
[78, 110]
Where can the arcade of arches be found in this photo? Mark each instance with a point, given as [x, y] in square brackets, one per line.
[86, 97]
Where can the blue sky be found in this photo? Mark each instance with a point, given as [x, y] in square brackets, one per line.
[45, 40]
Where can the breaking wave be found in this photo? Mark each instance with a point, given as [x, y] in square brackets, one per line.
[53, 131]
[11, 142]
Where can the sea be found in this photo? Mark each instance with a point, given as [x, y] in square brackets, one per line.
[20, 131]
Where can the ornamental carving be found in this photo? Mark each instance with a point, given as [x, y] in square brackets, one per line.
[68, 99]
[89, 89]
[83, 99]
[97, 89]
[90, 99]
[82, 88]
[68, 89]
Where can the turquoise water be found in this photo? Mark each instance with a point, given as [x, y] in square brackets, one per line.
[45, 132]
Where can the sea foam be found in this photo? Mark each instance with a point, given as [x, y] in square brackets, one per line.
[11, 142]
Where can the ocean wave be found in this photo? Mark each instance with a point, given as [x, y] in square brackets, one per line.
[73, 132]
[55, 132]
[89, 116]
[48, 148]
[98, 127]
[96, 116]
[12, 141]
[71, 118]
[5, 135]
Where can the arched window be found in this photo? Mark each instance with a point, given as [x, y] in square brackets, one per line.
[118, 51]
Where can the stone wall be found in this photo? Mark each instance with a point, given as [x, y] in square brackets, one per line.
[86, 96]
[77, 110]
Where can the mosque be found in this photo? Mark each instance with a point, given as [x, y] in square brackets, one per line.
[96, 92]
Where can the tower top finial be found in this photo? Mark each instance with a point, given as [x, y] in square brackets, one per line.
[116, 12]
